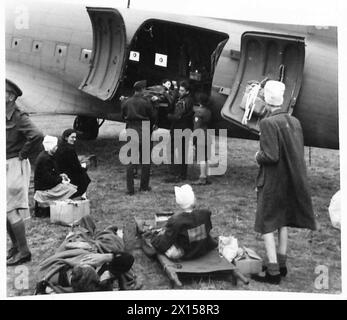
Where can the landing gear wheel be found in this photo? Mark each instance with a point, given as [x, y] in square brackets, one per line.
[87, 127]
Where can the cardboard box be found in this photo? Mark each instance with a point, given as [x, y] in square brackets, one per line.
[249, 262]
[69, 212]
[249, 266]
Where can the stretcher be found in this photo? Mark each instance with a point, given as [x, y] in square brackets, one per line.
[211, 264]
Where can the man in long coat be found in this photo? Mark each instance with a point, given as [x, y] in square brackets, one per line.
[283, 193]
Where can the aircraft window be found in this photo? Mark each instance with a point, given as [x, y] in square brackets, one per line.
[134, 56]
[61, 50]
[37, 45]
[16, 42]
[86, 55]
[161, 60]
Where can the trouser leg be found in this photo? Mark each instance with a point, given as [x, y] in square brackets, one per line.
[145, 175]
[130, 178]
[173, 165]
[145, 168]
[203, 170]
[184, 164]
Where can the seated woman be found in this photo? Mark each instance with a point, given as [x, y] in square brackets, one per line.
[69, 164]
[87, 261]
[186, 234]
[49, 185]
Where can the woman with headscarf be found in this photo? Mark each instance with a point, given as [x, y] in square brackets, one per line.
[48, 183]
[69, 164]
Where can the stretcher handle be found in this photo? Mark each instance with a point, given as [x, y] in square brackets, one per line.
[172, 275]
[238, 275]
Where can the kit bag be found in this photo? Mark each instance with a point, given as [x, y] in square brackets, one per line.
[254, 91]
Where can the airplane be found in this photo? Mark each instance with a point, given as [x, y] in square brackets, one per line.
[78, 60]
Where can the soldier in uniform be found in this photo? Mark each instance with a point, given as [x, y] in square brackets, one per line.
[135, 111]
[22, 138]
[181, 118]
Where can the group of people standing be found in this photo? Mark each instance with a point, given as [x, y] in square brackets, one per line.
[181, 114]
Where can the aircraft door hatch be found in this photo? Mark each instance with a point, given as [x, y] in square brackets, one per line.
[264, 57]
[162, 49]
[108, 54]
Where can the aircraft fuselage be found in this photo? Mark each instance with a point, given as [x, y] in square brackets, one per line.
[50, 55]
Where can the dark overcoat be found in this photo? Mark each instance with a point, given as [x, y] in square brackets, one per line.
[68, 163]
[283, 192]
[46, 172]
[189, 231]
[182, 117]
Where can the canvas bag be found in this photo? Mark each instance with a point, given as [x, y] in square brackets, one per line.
[228, 247]
[259, 102]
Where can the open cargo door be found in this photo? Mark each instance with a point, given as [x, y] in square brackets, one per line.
[265, 56]
[109, 45]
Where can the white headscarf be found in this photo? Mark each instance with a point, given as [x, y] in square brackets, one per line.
[273, 92]
[49, 142]
[185, 197]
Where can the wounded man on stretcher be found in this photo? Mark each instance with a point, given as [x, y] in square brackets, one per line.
[88, 261]
[187, 234]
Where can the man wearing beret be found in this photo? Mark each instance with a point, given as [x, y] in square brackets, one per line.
[136, 110]
[283, 192]
[22, 138]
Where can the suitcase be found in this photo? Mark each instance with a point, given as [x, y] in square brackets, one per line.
[249, 262]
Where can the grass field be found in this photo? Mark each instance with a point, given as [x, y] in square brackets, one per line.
[231, 198]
